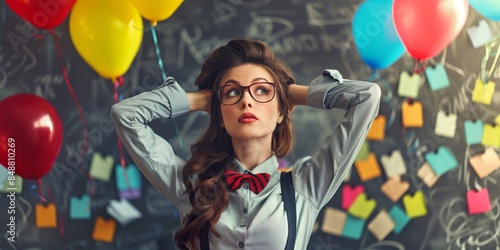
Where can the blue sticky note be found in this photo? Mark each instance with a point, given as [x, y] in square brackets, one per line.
[399, 217]
[134, 178]
[437, 77]
[473, 132]
[353, 228]
[442, 161]
[78, 207]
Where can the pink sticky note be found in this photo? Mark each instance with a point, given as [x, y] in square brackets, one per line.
[479, 201]
[349, 194]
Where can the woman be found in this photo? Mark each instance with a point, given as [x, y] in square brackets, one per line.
[249, 95]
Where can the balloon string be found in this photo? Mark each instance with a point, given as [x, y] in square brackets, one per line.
[387, 98]
[4, 16]
[85, 133]
[164, 75]
[417, 70]
[119, 98]
[488, 48]
[33, 187]
[59, 214]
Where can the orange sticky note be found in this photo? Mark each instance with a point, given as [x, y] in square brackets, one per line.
[412, 114]
[485, 164]
[368, 168]
[394, 188]
[377, 130]
[104, 230]
[46, 215]
[333, 221]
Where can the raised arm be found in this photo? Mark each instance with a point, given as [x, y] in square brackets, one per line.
[319, 177]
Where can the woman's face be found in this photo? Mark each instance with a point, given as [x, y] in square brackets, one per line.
[249, 119]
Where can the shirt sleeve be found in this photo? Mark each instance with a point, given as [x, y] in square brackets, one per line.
[153, 154]
[319, 177]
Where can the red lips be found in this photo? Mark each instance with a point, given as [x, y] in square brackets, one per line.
[247, 118]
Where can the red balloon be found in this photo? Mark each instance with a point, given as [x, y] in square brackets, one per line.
[43, 14]
[426, 27]
[30, 135]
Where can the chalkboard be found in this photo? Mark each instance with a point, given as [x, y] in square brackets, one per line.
[309, 36]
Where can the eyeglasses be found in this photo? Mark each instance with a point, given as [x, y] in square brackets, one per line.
[260, 91]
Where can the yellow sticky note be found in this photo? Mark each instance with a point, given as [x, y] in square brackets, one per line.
[485, 164]
[333, 221]
[497, 120]
[394, 188]
[382, 225]
[104, 230]
[415, 206]
[101, 167]
[408, 85]
[491, 135]
[362, 207]
[427, 175]
[483, 93]
[377, 130]
[368, 169]
[364, 151]
[412, 114]
[46, 215]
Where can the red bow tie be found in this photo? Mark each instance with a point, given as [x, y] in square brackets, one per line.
[257, 181]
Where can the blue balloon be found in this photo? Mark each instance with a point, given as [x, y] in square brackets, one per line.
[489, 8]
[375, 35]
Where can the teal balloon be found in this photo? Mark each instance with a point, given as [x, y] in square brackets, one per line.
[374, 34]
[489, 8]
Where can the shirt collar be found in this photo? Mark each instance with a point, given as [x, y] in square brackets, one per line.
[268, 166]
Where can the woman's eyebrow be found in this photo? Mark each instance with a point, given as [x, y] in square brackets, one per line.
[258, 79]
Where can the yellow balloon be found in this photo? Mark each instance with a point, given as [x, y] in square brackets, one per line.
[107, 34]
[156, 10]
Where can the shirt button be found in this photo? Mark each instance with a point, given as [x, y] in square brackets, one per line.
[245, 210]
[241, 245]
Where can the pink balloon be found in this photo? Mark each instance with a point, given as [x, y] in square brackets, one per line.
[426, 27]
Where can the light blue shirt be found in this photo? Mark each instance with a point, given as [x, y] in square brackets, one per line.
[255, 221]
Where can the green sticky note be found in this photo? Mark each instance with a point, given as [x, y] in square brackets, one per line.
[101, 167]
[415, 206]
[491, 135]
[364, 152]
[12, 184]
[473, 132]
[78, 207]
[437, 77]
[399, 217]
[408, 85]
[362, 207]
[353, 228]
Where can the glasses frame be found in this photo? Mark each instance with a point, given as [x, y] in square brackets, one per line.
[245, 88]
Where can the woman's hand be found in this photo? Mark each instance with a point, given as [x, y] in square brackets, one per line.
[298, 94]
[200, 101]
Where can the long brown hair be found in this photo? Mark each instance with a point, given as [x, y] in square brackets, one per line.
[214, 152]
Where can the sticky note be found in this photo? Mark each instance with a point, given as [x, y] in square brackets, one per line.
[349, 194]
[16, 188]
[427, 175]
[135, 181]
[442, 161]
[364, 152]
[412, 114]
[399, 217]
[333, 221]
[437, 77]
[480, 35]
[382, 225]
[408, 85]
[104, 230]
[483, 93]
[485, 164]
[393, 164]
[394, 188]
[445, 124]
[46, 215]
[123, 211]
[377, 130]
[478, 201]
[4, 174]
[362, 207]
[491, 135]
[497, 120]
[415, 206]
[473, 132]
[100, 167]
[353, 228]
[369, 168]
[78, 207]
[347, 176]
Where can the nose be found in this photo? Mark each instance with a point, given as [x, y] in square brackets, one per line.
[246, 99]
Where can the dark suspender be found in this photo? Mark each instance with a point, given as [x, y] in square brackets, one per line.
[288, 196]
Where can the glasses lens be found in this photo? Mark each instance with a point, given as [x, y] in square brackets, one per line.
[230, 94]
[262, 92]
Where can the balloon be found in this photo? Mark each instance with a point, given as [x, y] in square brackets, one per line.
[107, 34]
[426, 27]
[31, 135]
[156, 10]
[489, 8]
[42, 14]
[374, 34]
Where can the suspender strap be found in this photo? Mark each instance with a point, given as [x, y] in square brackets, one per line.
[288, 194]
